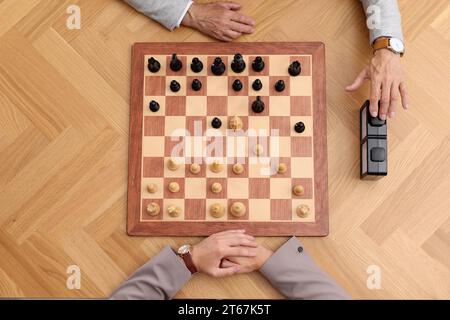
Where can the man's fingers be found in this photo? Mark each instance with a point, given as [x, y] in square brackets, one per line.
[240, 27]
[358, 82]
[225, 272]
[395, 96]
[232, 34]
[239, 252]
[404, 94]
[240, 18]
[374, 98]
[385, 100]
[230, 5]
[228, 264]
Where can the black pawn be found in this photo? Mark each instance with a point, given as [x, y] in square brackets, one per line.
[237, 85]
[216, 123]
[238, 63]
[153, 65]
[258, 64]
[280, 86]
[295, 68]
[257, 85]
[196, 65]
[258, 105]
[218, 67]
[299, 127]
[175, 86]
[175, 63]
[196, 85]
[154, 106]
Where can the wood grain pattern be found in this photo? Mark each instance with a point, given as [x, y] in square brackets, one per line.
[64, 131]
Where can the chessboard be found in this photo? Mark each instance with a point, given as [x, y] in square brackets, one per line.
[228, 136]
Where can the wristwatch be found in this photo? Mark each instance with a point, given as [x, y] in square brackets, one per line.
[394, 44]
[185, 253]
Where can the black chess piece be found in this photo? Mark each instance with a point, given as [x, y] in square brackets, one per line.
[257, 85]
[153, 106]
[238, 63]
[175, 63]
[196, 85]
[153, 65]
[175, 86]
[299, 127]
[196, 65]
[216, 123]
[258, 64]
[218, 67]
[295, 68]
[258, 105]
[280, 86]
[237, 85]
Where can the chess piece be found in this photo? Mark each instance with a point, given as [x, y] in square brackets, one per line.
[295, 68]
[153, 209]
[218, 67]
[299, 127]
[195, 168]
[298, 190]
[238, 168]
[237, 85]
[258, 150]
[257, 85]
[175, 63]
[196, 85]
[235, 123]
[152, 188]
[258, 105]
[173, 165]
[216, 123]
[238, 209]
[175, 86]
[216, 210]
[238, 63]
[174, 211]
[174, 187]
[153, 65]
[216, 167]
[258, 64]
[280, 86]
[282, 168]
[153, 106]
[196, 65]
[303, 211]
[216, 187]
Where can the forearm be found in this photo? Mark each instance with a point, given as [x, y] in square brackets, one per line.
[168, 13]
[159, 279]
[383, 18]
[296, 275]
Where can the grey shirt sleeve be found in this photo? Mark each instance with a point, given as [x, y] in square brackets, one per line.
[159, 279]
[169, 13]
[292, 271]
[383, 19]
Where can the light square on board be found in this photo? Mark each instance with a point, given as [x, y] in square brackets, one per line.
[179, 173]
[280, 106]
[196, 106]
[153, 146]
[244, 72]
[181, 81]
[211, 131]
[145, 216]
[195, 188]
[264, 91]
[236, 147]
[301, 86]
[259, 209]
[280, 188]
[243, 91]
[162, 106]
[258, 142]
[259, 168]
[158, 182]
[161, 59]
[280, 146]
[237, 106]
[174, 126]
[302, 167]
[203, 59]
[173, 202]
[310, 203]
[182, 71]
[279, 65]
[217, 86]
[238, 187]
[210, 202]
[280, 209]
[195, 209]
[273, 80]
[259, 125]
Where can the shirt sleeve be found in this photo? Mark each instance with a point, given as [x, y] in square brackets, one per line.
[293, 272]
[168, 13]
[383, 19]
[159, 279]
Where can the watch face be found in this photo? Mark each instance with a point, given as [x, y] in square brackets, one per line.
[183, 249]
[397, 45]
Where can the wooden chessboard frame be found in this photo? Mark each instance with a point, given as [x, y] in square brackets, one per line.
[319, 227]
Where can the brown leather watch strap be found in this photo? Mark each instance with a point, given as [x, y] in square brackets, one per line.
[187, 258]
[380, 43]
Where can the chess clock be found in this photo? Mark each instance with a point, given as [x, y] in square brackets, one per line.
[373, 145]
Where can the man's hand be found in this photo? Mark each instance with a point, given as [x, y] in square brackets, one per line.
[208, 254]
[246, 264]
[219, 20]
[387, 83]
